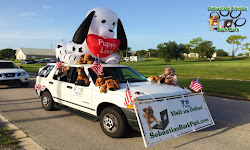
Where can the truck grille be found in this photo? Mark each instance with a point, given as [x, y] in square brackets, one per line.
[9, 75]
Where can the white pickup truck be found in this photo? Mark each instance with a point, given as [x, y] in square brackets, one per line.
[115, 118]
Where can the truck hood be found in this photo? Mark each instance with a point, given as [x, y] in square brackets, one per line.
[11, 70]
[145, 90]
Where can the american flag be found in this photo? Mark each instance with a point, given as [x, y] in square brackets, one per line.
[195, 85]
[58, 65]
[128, 98]
[97, 66]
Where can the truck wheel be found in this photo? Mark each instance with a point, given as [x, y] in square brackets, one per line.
[47, 101]
[113, 122]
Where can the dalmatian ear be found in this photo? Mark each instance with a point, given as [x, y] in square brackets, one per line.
[82, 32]
[121, 35]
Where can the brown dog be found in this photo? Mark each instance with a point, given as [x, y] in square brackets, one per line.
[100, 80]
[81, 60]
[110, 84]
[87, 59]
[149, 116]
[82, 75]
[65, 69]
[159, 79]
[214, 20]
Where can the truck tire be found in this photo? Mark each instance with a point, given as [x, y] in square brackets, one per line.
[47, 101]
[113, 122]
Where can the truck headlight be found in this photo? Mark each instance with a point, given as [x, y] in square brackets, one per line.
[23, 74]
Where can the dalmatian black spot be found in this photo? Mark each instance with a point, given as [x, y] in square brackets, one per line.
[64, 56]
[73, 48]
[103, 21]
[113, 23]
[58, 46]
[80, 49]
[70, 56]
[65, 51]
[60, 52]
[74, 58]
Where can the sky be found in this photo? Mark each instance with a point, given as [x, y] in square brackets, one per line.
[147, 23]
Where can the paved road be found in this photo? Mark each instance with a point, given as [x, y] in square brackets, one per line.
[61, 130]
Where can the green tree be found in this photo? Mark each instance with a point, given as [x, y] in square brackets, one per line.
[222, 53]
[240, 54]
[141, 53]
[7, 53]
[206, 48]
[178, 53]
[152, 52]
[247, 47]
[171, 50]
[124, 53]
[188, 48]
[194, 46]
[235, 40]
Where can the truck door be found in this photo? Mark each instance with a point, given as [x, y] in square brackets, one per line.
[77, 94]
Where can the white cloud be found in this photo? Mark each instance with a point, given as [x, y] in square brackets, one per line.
[26, 14]
[46, 6]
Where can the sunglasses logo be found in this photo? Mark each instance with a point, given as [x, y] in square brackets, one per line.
[232, 20]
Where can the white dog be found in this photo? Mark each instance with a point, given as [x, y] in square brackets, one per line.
[100, 22]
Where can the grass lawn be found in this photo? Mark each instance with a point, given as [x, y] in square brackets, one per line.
[31, 67]
[187, 70]
[6, 142]
[223, 68]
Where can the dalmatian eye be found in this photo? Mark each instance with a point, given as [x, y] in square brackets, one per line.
[113, 23]
[73, 48]
[103, 21]
[80, 49]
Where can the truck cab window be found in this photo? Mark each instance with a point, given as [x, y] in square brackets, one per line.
[45, 71]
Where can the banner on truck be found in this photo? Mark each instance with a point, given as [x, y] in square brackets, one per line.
[162, 120]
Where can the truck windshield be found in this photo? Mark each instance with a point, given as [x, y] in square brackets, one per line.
[124, 74]
[5, 65]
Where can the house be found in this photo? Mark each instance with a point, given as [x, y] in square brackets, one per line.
[34, 53]
[135, 58]
[132, 58]
[191, 55]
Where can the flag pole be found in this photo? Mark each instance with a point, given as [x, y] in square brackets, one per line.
[201, 89]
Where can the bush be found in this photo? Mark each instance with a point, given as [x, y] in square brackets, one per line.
[222, 53]
[240, 54]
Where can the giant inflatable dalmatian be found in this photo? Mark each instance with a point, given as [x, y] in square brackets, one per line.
[95, 37]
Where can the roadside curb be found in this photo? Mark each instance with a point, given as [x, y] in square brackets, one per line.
[25, 141]
[227, 96]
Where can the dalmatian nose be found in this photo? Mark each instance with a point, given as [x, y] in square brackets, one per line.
[111, 30]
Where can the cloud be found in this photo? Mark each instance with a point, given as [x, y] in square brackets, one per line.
[46, 6]
[26, 14]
